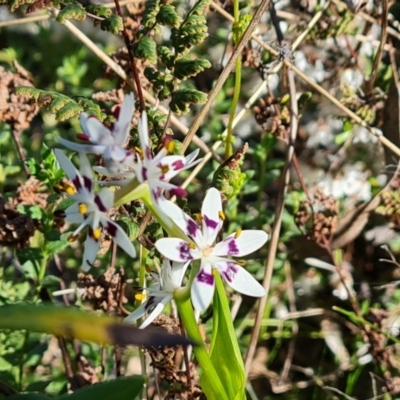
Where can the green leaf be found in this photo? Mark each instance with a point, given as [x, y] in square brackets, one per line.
[34, 212]
[71, 110]
[225, 353]
[126, 388]
[130, 227]
[181, 100]
[168, 16]
[90, 107]
[71, 322]
[72, 11]
[229, 178]
[31, 396]
[99, 10]
[112, 24]
[145, 49]
[150, 14]
[185, 68]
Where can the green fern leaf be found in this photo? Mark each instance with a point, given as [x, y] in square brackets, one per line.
[72, 11]
[168, 16]
[185, 68]
[183, 98]
[99, 10]
[70, 110]
[145, 49]
[150, 14]
[112, 24]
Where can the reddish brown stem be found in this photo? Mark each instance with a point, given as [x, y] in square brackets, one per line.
[131, 59]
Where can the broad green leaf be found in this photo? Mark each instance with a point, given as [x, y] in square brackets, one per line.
[31, 396]
[71, 322]
[225, 353]
[122, 389]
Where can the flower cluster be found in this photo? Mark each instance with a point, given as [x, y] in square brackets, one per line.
[191, 243]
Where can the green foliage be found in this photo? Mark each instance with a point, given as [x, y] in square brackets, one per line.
[193, 29]
[99, 10]
[183, 98]
[113, 24]
[224, 352]
[229, 178]
[62, 106]
[150, 13]
[145, 49]
[72, 11]
[185, 68]
[168, 16]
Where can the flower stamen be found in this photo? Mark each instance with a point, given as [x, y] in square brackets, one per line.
[82, 208]
[238, 233]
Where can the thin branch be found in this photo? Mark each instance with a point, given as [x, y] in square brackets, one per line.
[225, 73]
[131, 59]
[378, 57]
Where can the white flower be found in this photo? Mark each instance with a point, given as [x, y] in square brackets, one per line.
[160, 293]
[213, 257]
[158, 170]
[90, 209]
[101, 140]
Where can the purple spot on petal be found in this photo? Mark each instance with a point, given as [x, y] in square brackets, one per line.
[99, 204]
[144, 173]
[83, 137]
[88, 183]
[148, 153]
[179, 192]
[149, 303]
[111, 230]
[232, 248]
[184, 252]
[177, 165]
[210, 223]
[206, 278]
[77, 183]
[192, 228]
[230, 273]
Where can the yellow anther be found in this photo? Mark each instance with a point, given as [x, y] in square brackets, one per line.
[148, 269]
[139, 151]
[96, 233]
[198, 218]
[214, 272]
[170, 146]
[191, 245]
[82, 208]
[221, 215]
[72, 238]
[140, 296]
[240, 262]
[69, 190]
[164, 169]
[238, 233]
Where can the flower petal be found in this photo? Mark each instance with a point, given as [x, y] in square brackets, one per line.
[176, 249]
[239, 279]
[144, 135]
[210, 213]
[89, 255]
[175, 165]
[138, 313]
[85, 148]
[86, 171]
[106, 197]
[203, 287]
[240, 244]
[66, 165]
[98, 133]
[119, 236]
[121, 127]
[156, 311]
[185, 223]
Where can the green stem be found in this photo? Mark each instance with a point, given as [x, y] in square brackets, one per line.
[238, 79]
[192, 328]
